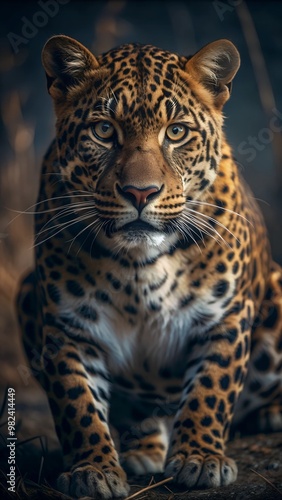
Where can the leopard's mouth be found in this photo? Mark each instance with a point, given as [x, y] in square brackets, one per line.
[138, 231]
[138, 226]
[142, 235]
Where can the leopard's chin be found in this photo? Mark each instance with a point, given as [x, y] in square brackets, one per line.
[140, 236]
[139, 239]
[136, 234]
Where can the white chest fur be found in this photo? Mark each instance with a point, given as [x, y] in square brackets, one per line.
[151, 315]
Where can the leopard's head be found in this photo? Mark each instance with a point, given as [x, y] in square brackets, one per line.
[139, 133]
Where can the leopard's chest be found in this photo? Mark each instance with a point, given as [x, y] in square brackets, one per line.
[146, 316]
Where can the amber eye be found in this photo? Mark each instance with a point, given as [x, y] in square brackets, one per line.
[103, 130]
[176, 132]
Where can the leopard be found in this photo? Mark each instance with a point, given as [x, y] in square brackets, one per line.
[153, 315]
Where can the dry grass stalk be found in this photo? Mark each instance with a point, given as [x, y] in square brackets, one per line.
[150, 487]
[267, 481]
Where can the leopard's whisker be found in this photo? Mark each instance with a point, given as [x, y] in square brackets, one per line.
[28, 211]
[64, 226]
[187, 231]
[91, 224]
[205, 216]
[65, 212]
[203, 228]
[114, 96]
[50, 225]
[207, 229]
[199, 202]
[102, 224]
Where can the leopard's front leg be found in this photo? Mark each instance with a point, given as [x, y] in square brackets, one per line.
[196, 456]
[77, 385]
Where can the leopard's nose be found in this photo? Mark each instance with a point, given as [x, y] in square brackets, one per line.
[139, 197]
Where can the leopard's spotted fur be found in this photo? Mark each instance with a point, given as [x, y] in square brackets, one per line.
[154, 300]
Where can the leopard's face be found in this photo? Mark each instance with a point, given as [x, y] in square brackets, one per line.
[138, 139]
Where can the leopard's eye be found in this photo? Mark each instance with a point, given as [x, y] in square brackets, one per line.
[103, 130]
[176, 132]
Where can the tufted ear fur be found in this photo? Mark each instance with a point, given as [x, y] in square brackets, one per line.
[66, 63]
[215, 66]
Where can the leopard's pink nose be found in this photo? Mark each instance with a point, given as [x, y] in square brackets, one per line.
[139, 197]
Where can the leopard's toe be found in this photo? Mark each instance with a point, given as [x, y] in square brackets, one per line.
[90, 481]
[197, 471]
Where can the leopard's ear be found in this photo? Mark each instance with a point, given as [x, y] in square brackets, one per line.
[66, 62]
[215, 66]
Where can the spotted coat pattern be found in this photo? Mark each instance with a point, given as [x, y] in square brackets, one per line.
[154, 300]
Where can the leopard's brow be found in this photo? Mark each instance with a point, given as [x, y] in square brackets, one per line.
[104, 104]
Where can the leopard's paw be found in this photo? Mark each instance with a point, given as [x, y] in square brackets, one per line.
[270, 418]
[196, 471]
[141, 462]
[90, 481]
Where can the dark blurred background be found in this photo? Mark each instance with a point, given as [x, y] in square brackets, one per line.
[254, 113]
